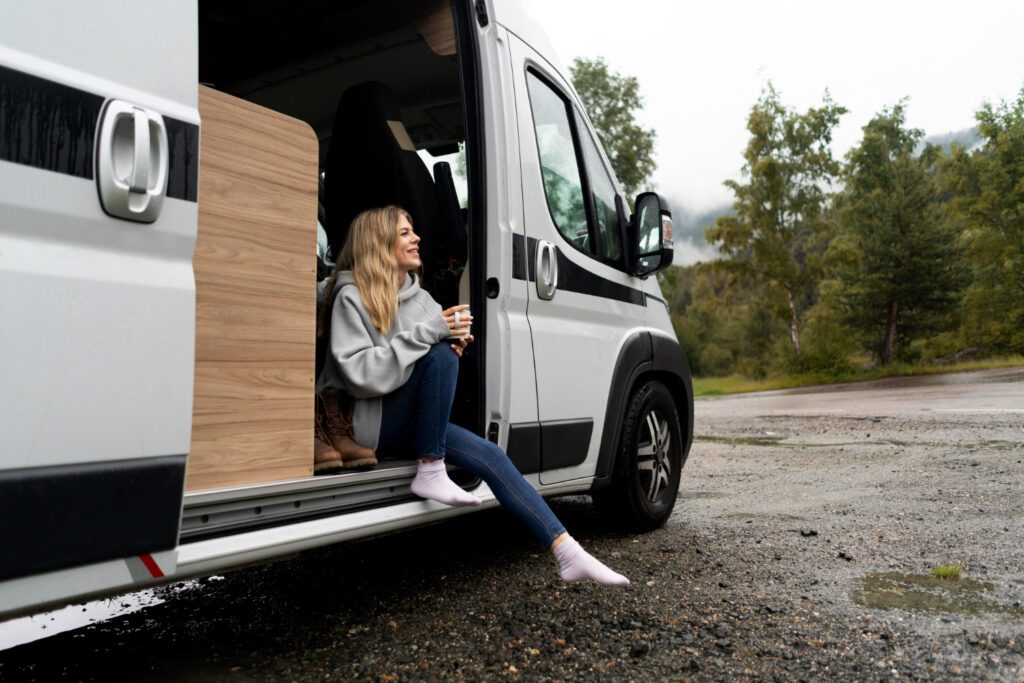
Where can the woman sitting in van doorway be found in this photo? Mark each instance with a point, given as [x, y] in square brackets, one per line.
[396, 352]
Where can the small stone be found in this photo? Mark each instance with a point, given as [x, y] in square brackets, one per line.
[808, 532]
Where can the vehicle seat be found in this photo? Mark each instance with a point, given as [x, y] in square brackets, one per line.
[447, 282]
[372, 162]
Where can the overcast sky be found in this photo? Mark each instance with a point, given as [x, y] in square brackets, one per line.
[701, 67]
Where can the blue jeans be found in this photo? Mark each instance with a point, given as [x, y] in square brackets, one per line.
[415, 418]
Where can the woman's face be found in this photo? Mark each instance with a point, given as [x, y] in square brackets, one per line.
[407, 249]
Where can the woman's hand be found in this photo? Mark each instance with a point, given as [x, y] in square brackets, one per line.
[459, 320]
[459, 345]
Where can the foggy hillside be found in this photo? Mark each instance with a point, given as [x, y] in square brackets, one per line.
[688, 231]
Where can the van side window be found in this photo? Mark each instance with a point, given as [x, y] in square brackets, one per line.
[559, 166]
[603, 190]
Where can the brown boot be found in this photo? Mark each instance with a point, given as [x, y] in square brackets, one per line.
[338, 427]
[325, 457]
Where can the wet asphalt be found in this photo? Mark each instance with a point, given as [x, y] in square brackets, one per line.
[800, 549]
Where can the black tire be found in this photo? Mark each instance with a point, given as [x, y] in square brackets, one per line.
[645, 481]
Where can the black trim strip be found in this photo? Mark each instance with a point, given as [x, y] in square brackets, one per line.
[183, 166]
[651, 297]
[47, 125]
[520, 269]
[544, 446]
[71, 515]
[524, 446]
[571, 277]
[564, 443]
[52, 126]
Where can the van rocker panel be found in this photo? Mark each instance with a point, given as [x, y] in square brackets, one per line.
[69, 515]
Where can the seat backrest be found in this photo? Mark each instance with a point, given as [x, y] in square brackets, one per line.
[451, 213]
[372, 162]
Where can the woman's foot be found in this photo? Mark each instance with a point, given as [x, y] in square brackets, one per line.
[432, 482]
[576, 564]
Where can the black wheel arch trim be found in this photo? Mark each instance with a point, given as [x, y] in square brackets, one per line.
[644, 355]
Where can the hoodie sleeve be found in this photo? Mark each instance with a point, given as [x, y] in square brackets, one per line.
[370, 369]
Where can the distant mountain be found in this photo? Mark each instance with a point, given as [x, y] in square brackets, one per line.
[968, 137]
[688, 232]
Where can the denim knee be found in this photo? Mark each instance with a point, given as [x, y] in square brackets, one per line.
[444, 357]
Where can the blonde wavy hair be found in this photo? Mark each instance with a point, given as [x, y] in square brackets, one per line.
[369, 252]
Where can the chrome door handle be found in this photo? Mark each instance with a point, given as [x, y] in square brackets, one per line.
[546, 270]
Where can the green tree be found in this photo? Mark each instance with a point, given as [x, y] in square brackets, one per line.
[777, 235]
[720, 323]
[988, 198]
[612, 101]
[897, 261]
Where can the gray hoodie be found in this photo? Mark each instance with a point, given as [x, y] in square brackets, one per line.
[368, 364]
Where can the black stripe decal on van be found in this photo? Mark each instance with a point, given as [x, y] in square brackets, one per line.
[47, 125]
[52, 126]
[571, 277]
[183, 169]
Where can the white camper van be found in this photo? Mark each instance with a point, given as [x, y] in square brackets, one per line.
[165, 169]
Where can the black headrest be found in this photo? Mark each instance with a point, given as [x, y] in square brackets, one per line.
[363, 112]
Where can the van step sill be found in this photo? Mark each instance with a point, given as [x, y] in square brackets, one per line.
[222, 512]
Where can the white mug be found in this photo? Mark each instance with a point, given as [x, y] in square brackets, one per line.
[460, 316]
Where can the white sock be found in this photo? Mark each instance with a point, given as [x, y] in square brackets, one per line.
[432, 482]
[577, 564]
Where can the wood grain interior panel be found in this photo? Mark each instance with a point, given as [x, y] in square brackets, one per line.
[255, 269]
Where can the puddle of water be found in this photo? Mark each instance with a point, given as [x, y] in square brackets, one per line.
[926, 593]
[765, 515]
[742, 440]
[700, 495]
[777, 441]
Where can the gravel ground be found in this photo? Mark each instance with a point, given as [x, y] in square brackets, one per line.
[798, 551]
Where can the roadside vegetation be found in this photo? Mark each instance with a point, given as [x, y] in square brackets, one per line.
[737, 384]
[947, 571]
[903, 258]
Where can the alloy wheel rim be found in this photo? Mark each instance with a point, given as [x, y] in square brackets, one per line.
[652, 455]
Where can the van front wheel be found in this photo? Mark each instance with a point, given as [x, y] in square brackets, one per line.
[645, 481]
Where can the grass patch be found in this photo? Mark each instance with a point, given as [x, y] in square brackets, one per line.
[947, 571]
[738, 384]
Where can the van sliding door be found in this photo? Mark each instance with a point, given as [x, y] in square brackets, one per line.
[99, 137]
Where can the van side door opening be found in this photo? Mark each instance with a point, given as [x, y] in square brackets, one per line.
[382, 91]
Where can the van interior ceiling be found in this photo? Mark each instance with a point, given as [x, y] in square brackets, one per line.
[350, 69]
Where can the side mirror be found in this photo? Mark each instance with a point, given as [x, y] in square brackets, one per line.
[650, 231]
